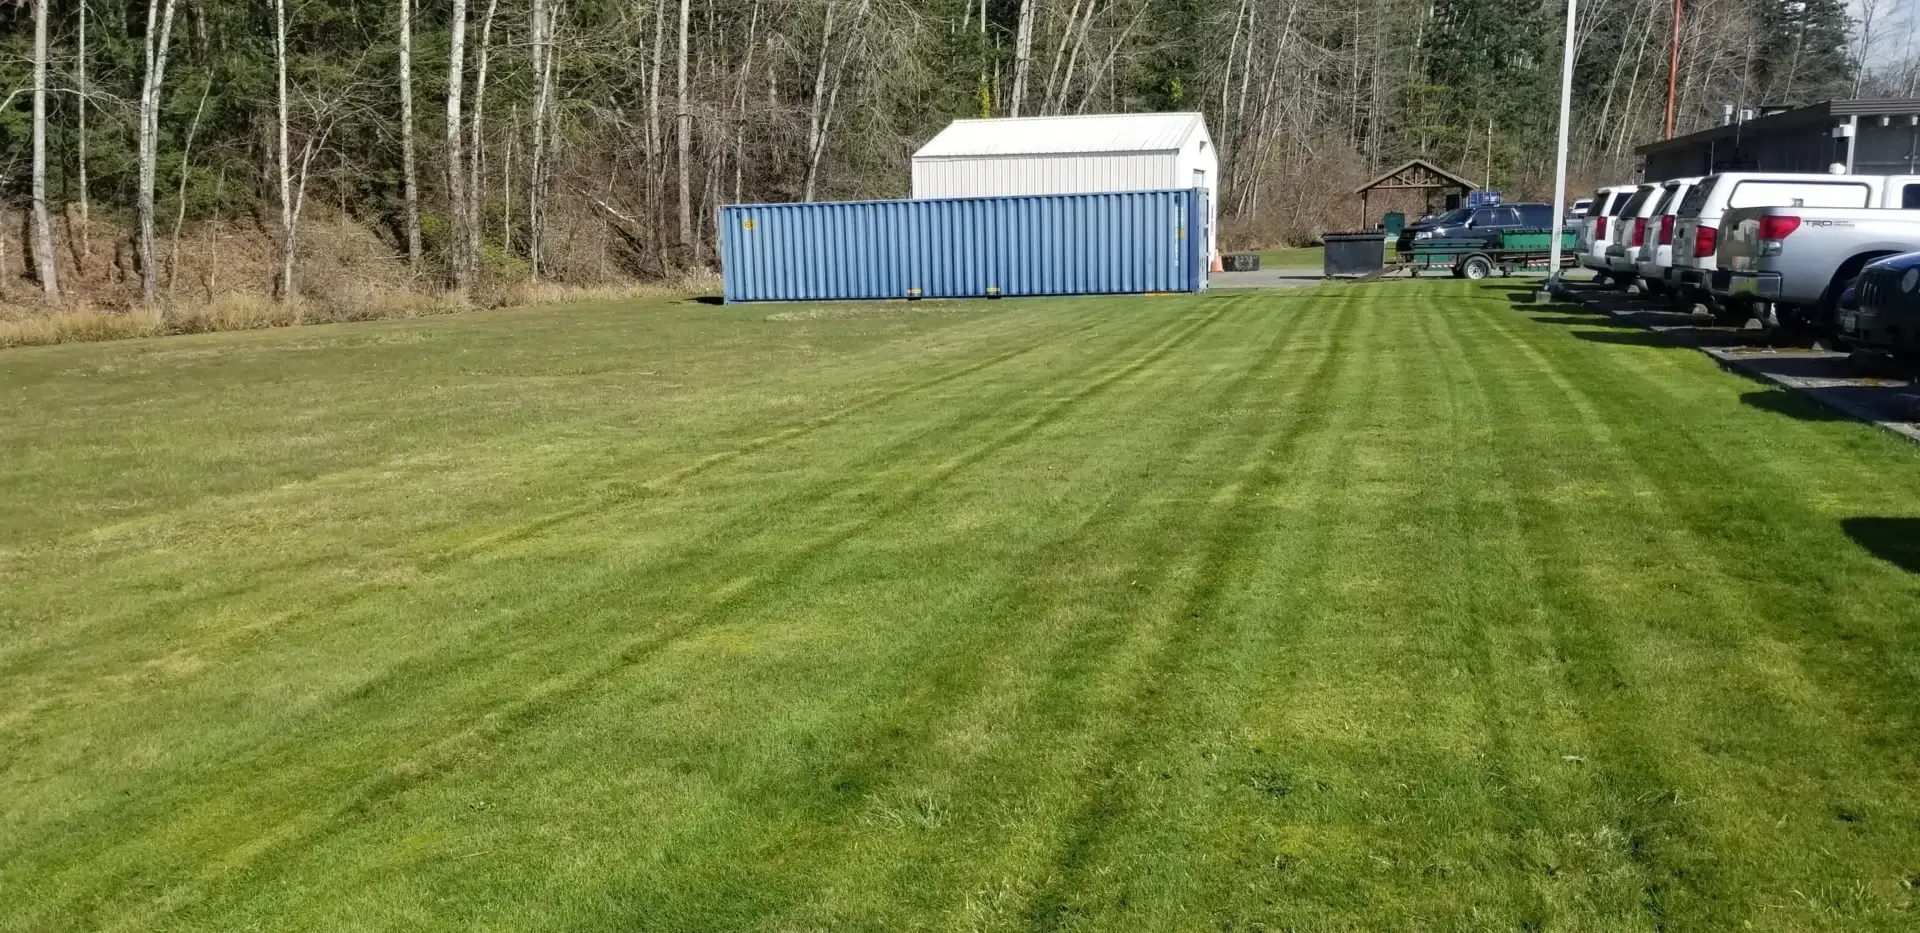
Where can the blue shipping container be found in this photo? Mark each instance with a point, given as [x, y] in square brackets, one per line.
[1113, 243]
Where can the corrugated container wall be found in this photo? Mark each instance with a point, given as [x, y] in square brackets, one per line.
[1073, 244]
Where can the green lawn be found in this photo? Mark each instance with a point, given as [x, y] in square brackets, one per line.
[1385, 607]
[1303, 257]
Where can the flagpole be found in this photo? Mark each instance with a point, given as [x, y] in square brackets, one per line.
[1560, 154]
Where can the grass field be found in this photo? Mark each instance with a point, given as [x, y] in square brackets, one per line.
[1393, 607]
[1303, 257]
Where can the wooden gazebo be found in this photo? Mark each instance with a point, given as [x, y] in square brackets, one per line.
[1414, 175]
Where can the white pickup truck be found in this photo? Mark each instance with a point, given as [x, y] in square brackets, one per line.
[1697, 224]
[1790, 265]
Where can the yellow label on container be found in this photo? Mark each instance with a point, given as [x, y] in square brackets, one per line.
[914, 292]
[746, 224]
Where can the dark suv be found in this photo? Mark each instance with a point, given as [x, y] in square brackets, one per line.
[1484, 224]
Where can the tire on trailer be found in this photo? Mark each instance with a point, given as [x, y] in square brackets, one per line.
[1476, 267]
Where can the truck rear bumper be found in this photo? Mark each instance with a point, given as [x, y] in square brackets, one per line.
[1762, 286]
[1688, 277]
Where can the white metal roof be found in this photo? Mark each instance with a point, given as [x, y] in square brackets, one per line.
[1110, 132]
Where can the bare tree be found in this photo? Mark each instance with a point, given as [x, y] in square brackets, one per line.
[411, 178]
[456, 166]
[477, 214]
[536, 156]
[284, 286]
[180, 199]
[1022, 57]
[816, 131]
[42, 226]
[157, 42]
[683, 115]
[86, 207]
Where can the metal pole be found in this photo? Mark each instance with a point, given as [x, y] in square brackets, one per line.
[1673, 68]
[1560, 156]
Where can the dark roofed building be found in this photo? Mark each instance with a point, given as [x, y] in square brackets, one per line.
[1869, 137]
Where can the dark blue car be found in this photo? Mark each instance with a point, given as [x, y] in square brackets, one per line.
[1484, 224]
[1885, 311]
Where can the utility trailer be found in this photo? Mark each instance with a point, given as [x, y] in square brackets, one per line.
[1475, 259]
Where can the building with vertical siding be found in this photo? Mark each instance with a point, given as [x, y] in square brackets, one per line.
[1072, 155]
[1867, 137]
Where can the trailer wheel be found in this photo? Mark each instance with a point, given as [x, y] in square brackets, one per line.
[1476, 267]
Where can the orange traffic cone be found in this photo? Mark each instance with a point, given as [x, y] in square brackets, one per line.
[1218, 266]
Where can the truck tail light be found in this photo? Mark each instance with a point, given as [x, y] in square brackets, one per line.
[1600, 228]
[1640, 231]
[1773, 230]
[1666, 230]
[1705, 238]
[1777, 228]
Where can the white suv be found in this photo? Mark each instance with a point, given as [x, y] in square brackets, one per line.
[1624, 247]
[1591, 243]
[1655, 260]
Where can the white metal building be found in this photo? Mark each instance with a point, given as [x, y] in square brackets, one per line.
[1071, 155]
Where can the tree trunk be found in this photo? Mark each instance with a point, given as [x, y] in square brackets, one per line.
[86, 203]
[180, 200]
[536, 155]
[684, 135]
[1022, 57]
[816, 134]
[475, 146]
[42, 226]
[155, 78]
[409, 169]
[456, 165]
[1073, 59]
[1059, 56]
[740, 106]
[284, 288]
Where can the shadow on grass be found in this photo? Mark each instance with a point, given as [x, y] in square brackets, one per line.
[1803, 367]
[1793, 405]
[1675, 337]
[708, 299]
[1583, 320]
[1894, 540]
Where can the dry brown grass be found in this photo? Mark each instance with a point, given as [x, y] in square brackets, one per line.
[520, 294]
[346, 274]
[29, 327]
[20, 326]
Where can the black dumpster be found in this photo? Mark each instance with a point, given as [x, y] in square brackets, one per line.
[1354, 253]
[1240, 262]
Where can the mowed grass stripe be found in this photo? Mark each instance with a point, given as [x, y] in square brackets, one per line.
[1367, 607]
[601, 493]
[1814, 702]
[152, 621]
[1065, 685]
[634, 648]
[842, 789]
[1676, 812]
